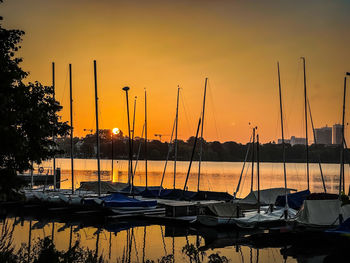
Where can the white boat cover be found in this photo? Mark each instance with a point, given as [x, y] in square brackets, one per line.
[267, 196]
[251, 219]
[322, 213]
[223, 209]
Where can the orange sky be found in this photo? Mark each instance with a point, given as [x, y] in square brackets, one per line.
[162, 44]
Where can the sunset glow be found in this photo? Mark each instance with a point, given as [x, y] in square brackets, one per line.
[162, 44]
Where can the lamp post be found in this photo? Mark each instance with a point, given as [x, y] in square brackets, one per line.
[126, 89]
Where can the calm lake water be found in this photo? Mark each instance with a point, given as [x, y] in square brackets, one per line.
[129, 241]
[215, 176]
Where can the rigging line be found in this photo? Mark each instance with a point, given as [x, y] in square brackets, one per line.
[164, 245]
[139, 150]
[64, 86]
[211, 98]
[188, 118]
[244, 177]
[293, 98]
[167, 157]
[245, 160]
[315, 142]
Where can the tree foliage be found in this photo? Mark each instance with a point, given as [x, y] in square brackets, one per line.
[28, 114]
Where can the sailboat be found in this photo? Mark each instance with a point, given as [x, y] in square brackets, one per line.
[199, 194]
[327, 212]
[295, 200]
[230, 213]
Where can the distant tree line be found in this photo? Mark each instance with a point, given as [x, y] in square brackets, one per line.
[212, 151]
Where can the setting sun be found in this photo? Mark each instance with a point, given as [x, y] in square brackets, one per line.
[116, 131]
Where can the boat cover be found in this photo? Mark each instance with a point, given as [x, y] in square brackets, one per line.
[210, 195]
[223, 209]
[177, 194]
[251, 219]
[106, 187]
[267, 196]
[295, 200]
[120, 200]
[155, 192]
[322, 212]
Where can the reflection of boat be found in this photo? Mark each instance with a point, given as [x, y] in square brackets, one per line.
[220, 238]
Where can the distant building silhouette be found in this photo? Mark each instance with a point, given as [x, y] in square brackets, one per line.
[337, 134]
[323, 135]
[293, 140]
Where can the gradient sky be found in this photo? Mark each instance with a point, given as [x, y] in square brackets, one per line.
[165, 43]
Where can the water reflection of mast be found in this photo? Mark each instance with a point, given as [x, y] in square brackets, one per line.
[70, 237]
[144, 245]
[29, 239]
[188, 245]
[164, 245]
[110, 245]
[53, 231]
[129, 246]
[173, 246]
[97, 242]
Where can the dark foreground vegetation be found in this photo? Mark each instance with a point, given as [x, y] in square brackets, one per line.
[28, 116]
[212, 151]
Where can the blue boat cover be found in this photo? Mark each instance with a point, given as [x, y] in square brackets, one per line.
[344, 228]
[295, 200]
[120, 200]
[178, 194]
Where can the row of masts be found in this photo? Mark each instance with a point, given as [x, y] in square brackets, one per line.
[72, 126]
[200, 127]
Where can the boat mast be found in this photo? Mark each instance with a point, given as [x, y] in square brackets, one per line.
[201, 140]
[53, 137]
[71, 124]
[344, 142]
[283, 144]
[146, 157]
[258, 169]
[253, 157]
[306, 130]
[341, 177]
[176, 125]
[97, 133]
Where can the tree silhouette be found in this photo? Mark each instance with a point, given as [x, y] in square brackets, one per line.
[28, 116]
